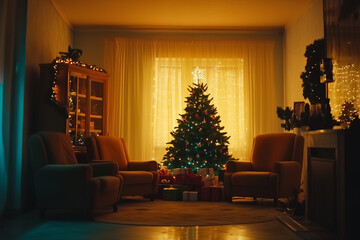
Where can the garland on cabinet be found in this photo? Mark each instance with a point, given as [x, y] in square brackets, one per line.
[70, 57]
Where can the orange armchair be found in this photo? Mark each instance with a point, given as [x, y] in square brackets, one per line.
[61, 183]
[274, 170]
[140, 178]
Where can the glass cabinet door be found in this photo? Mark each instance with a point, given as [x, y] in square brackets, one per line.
[77, 108]
[96, 107]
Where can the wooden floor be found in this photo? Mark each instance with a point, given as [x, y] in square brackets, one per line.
[75, 227]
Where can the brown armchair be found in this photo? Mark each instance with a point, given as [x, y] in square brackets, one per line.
[61, 183]
[274, 170]
[140, 178]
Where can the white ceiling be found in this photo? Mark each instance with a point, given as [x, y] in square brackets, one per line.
[201, 14]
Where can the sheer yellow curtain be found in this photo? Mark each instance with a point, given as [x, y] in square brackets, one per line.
[130, 64]
[149, 85]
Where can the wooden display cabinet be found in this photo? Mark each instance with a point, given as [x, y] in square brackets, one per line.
[82, 93]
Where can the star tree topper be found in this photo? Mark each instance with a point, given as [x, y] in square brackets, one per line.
[198, 75]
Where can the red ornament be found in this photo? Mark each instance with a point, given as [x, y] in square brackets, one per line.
[193, 92]
[205, 111]
[196, 115]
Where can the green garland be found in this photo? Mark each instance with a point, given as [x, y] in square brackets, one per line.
[313, 89]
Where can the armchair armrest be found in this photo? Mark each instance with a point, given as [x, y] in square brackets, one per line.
[64, 173]
[142, 166]
[236, 166]
[289, 173]
[288, 168]
[104, 168]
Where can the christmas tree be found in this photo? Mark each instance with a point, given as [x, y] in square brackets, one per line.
[198, 139]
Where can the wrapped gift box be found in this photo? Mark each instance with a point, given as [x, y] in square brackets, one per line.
[195, 180]
[215, 193]
[208, 181]
[190, 196]
[205, 172]
[170, 194]
[182, 171]
[179, 190]
[212, 193]
[161, 187]
[182, 179]
[205, 194]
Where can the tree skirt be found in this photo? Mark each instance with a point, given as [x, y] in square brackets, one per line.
[179, 213]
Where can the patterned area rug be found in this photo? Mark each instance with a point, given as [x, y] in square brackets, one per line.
[178, 213]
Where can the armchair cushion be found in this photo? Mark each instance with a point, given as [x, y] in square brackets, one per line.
[103, 168]
[107, 184]
[142, 166]
[252, 179]
[136, 177]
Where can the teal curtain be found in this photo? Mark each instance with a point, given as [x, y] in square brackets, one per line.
[12, 80]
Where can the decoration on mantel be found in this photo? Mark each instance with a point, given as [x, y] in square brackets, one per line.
[313, 89]
[286, 114]
[71, 57]
[318, 72]
[348, 113]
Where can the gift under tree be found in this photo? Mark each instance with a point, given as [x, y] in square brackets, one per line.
[198, 140]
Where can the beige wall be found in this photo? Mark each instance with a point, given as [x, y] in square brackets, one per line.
[301, 32]
[46, 35]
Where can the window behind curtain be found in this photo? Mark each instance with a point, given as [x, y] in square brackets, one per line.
[225, 80]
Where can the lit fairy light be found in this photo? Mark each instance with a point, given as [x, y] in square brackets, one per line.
[198, 74]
